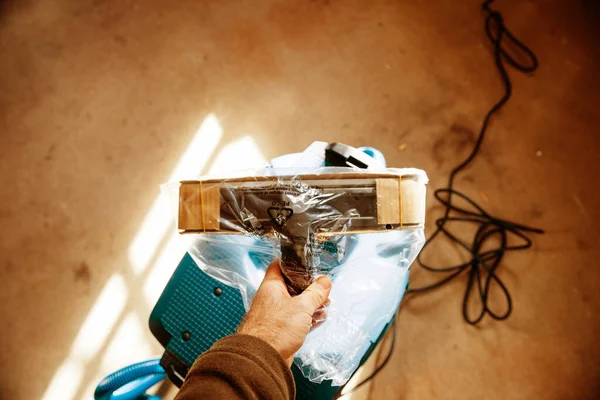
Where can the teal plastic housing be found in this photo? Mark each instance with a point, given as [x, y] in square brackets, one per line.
[195, 310]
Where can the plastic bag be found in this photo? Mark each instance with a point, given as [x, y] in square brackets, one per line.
[362, 228]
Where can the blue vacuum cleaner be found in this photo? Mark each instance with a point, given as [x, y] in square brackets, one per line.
[195, 310]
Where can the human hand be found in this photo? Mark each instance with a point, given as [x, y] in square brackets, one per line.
[281, 320]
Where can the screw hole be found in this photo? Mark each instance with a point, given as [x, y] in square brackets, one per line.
[388, 226]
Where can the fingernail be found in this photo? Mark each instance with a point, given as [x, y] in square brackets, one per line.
[324, 282]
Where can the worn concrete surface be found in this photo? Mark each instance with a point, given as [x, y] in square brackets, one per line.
[99, 100]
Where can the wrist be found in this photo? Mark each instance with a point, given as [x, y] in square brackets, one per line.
[267, 337]
[259, 333]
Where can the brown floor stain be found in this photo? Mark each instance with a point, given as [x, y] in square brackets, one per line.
[82, 273]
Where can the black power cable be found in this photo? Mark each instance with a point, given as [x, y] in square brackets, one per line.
[483, 263]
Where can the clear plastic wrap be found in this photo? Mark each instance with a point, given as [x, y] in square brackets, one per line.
[362, 228]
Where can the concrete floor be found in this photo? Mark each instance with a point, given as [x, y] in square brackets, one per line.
[100, 99]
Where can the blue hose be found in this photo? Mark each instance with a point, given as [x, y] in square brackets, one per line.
[131, 382]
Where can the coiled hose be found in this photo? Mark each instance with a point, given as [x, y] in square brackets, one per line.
[131, 382]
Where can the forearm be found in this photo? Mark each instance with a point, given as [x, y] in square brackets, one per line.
[239, 367]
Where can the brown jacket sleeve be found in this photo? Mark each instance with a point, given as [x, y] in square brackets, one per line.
[239, 367]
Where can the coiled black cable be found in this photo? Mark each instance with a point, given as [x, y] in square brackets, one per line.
[483, 263]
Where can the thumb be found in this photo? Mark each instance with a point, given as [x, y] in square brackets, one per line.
[273, 272]
[273, 277]
[315, 295]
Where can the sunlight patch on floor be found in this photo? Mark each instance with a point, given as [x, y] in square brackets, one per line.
[132, 340]
[160, 216]
[93, 333]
